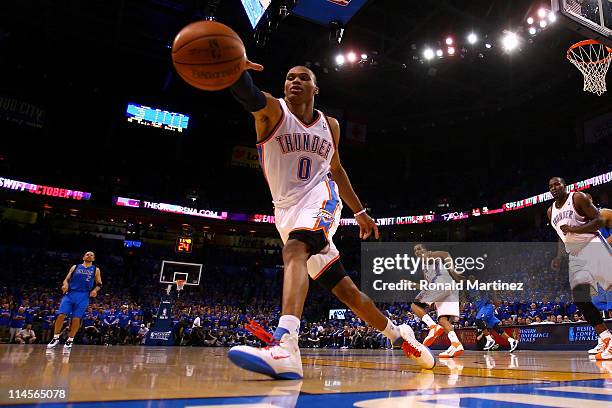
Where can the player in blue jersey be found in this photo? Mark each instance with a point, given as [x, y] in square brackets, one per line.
[78, 287]
[486, 319]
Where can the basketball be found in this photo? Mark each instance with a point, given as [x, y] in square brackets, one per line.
[208, 55]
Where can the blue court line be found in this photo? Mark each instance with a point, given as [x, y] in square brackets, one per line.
[350, 398]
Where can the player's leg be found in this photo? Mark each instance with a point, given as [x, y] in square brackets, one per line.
[283, 360]
[80, 303]
[484, 315]
[448, 311]
[65, 308]
[593, 266]
[511, 341]
[348, 293]
[295, 285]
[593, 316]
[435, 329]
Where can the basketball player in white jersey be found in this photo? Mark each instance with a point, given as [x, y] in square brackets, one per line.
[298, 152]
[590, 256]
[447, 302]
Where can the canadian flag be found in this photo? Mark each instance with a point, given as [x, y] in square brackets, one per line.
[342, 3]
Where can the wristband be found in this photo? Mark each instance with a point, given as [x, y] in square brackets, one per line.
[359, 212]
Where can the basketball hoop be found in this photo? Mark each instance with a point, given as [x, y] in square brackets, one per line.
[179, 284]
[592, 59]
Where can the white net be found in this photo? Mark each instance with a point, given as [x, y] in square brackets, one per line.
[593, 60]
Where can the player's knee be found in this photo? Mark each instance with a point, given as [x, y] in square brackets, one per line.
[481, 324]
[295, 251]
[498, 329]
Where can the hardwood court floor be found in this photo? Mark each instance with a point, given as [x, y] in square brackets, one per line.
[128, 376]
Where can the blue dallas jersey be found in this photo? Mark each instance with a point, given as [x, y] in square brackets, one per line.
[82, 279]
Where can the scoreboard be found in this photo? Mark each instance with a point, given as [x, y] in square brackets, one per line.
[184, 244]
[147, 116]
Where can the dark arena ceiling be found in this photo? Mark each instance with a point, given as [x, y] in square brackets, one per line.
[479, 115]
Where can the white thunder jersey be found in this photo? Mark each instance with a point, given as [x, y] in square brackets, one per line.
[567, 215]
[296, 157]
[435, 272]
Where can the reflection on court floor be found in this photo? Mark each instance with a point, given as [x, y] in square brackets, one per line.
[96, 376]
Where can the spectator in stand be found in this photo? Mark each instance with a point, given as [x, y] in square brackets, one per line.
[26, 336]
[123, 322]
[5, 320]
[17, 323]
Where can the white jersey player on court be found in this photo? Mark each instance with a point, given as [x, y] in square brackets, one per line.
[590, 257]
[446, 301]
[298, 151]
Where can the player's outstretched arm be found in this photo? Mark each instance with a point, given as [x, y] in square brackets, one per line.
[265, 108]
[366, 223]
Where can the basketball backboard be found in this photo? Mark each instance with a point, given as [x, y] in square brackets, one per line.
[591, 18]
[189, 272]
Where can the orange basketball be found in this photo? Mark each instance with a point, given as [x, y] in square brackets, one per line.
[208, 55]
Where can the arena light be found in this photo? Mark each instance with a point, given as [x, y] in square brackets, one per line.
[532, 30]
[340, 60]
[451, 50]
[543, 23]
[449, 40]
[472, 38]
[351, 57]
[552, 17]
[440, 53]
[510, 41]
[428, 53]
[530, 20]
[542, 13]
[488, 46]
[364, 56]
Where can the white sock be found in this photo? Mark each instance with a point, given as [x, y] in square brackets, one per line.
[70, 338]
[55, 336]
[452, 336]
[428, 320]
[392, 332]
[290, 323]
[605, 335]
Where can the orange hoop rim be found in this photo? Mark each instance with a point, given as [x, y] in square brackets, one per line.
[588, 42]
[180, 283]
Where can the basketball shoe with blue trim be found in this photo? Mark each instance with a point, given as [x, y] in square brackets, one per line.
[281, 361]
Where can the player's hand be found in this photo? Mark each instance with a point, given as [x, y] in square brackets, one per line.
[555, 264]
[93, 293]
[566, 228]
[366, 226]
[64, 287]
[253, 65]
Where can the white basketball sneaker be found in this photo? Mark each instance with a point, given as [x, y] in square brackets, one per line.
[599, 347]
[455, 350]
[606, 354]
[489, 344]
[415, 350]
[281, 361]
[513, 344]
[54, 342]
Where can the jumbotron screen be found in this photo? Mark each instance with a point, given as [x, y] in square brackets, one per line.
[147, 116]
[255, 9]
